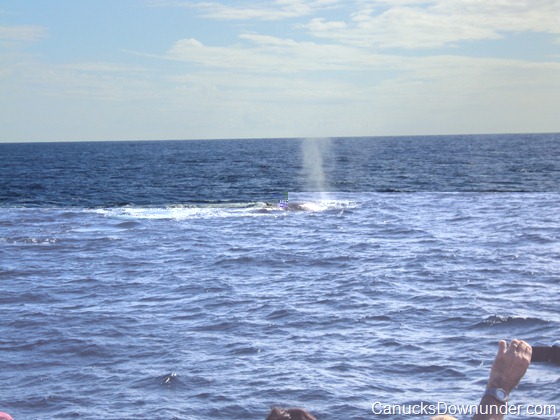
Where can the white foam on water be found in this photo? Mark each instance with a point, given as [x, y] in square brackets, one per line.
[301, 204]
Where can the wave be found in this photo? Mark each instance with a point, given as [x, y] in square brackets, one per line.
[224, 209]
[510, 321]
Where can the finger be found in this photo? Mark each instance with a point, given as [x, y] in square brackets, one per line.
[526, 349]
[514, 344]
[502, 345]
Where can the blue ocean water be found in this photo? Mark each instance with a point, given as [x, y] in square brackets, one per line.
[161, 280]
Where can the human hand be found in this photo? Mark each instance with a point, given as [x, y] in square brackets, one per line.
[510, 364]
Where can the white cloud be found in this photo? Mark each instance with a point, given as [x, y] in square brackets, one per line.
[320, 24]
[267, 54]
[268, 60]
[433, 89]
[340, 83]
[503, 15]
[433, 95]
[249, 10]
[26, 33]
[431, 24]
[93, 80]
[407, 24]
[104, 67]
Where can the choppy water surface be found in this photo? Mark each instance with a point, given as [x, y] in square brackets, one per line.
[159, 296]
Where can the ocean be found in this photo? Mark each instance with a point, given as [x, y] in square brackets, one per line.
[217, 279]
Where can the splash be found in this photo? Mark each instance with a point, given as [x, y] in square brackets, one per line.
[313, 153]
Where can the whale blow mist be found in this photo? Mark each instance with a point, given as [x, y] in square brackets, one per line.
[313, 153]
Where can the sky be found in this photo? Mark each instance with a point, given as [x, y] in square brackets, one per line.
[75, 70]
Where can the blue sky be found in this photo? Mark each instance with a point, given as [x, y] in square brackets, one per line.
[176, 69]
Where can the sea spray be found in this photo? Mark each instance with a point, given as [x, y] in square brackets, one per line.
[313, 153]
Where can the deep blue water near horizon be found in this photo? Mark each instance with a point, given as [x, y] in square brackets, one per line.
[152, 280]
